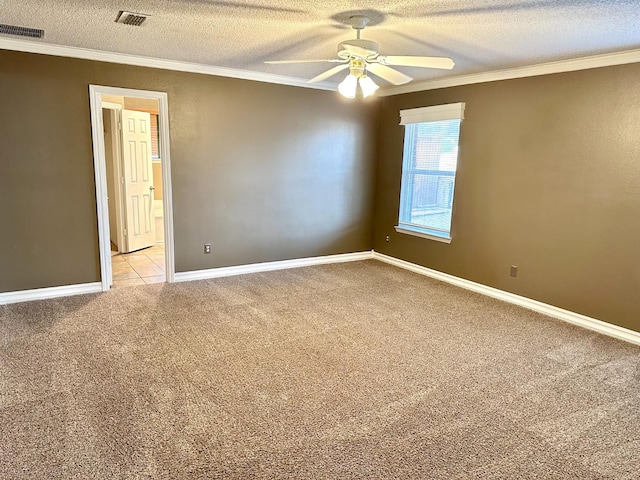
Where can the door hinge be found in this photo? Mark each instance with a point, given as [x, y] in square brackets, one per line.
[119, 125]
[125, 232]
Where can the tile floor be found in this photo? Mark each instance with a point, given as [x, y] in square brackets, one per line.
[138, 268]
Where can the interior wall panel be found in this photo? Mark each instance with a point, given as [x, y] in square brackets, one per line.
[263, 172]
[548, 180]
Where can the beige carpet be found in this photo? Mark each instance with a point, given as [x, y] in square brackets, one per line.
[357, 370]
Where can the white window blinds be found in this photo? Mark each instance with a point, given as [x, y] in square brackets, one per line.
[450, 111]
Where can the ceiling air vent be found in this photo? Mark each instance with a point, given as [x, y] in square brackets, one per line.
[21, 31]
[129, 18]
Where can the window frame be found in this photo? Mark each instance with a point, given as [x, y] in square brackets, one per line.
[437, 113]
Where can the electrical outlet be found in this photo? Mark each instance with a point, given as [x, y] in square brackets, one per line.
[387, 239]
[207, 248]
[514, 270]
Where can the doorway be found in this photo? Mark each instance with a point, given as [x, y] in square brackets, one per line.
[130, 135]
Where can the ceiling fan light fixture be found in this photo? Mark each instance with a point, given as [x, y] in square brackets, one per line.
[347, 87]
[361, 55]
[367, 85]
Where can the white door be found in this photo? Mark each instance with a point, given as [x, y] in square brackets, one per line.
[137, 180]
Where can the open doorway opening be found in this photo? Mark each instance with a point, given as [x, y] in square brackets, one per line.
[133, 185]
[134, 188]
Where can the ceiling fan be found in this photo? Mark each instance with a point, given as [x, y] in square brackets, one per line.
[361, 56]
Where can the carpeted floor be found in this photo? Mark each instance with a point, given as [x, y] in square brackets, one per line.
[357, 370]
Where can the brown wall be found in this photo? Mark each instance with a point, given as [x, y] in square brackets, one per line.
[548, 179]
[264, 172]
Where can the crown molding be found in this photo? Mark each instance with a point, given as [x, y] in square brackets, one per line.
[584, 63]
[140, 61]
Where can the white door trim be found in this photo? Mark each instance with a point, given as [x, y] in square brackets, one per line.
[100, 167]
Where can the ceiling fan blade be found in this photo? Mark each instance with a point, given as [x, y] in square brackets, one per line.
[412, 61]
[329, 73]
[388, 74]
[281, 62]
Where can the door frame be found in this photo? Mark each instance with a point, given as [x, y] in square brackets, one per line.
[100, 167]
[116, 108]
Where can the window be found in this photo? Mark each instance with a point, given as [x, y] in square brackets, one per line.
[155, 137]
[429, 170]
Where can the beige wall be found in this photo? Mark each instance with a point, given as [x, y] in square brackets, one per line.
[263, 172]
[139, 104]
[118, 100]
[548, 179]
[157, 180]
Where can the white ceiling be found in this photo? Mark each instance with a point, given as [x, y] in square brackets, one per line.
[479, 35]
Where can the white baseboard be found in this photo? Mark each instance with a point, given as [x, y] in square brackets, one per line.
[269, 266]
[66, 290]
[544, 308]
[555, 312]
[49, 292]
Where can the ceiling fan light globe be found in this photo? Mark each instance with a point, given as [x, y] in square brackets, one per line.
[368, 86]
[347, 87]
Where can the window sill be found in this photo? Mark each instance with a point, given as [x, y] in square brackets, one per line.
[420, 234]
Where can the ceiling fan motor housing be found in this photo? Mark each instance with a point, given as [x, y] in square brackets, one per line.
[357, 68]
[361, 48]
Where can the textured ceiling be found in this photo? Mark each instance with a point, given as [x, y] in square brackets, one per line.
[479, 35]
